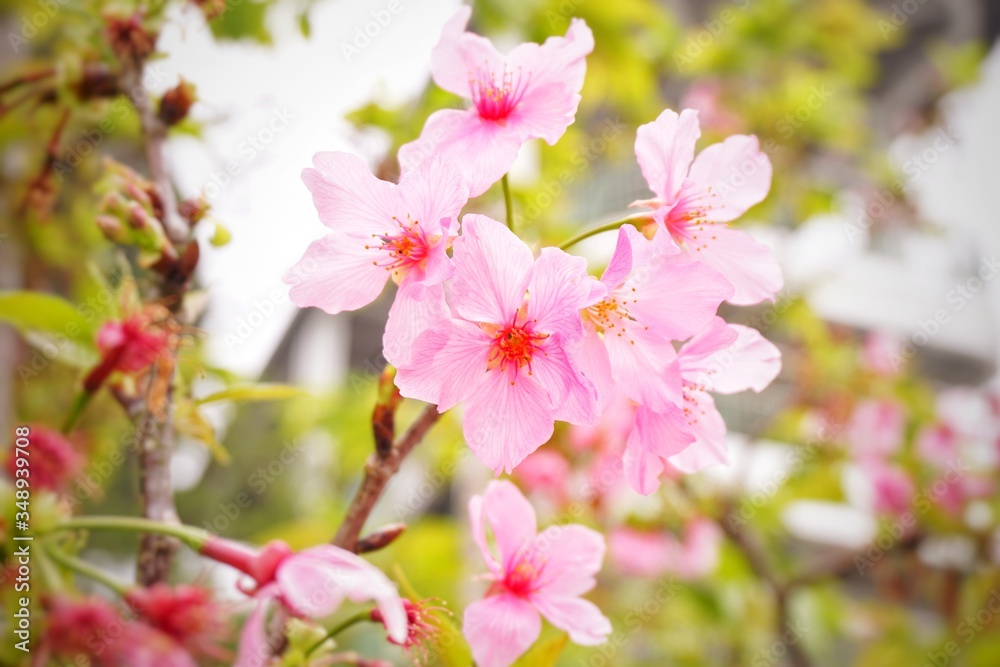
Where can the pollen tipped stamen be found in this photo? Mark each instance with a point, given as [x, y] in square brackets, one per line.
[495, 100]
[401, 250]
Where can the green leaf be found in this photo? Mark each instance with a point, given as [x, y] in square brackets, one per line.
[252, 392]
[544, 653]
[191, 423]
[247, 20]
[45, 313]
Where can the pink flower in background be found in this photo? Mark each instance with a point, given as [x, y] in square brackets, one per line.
[545, 471]
[725, 359]
[653, 553]
[187, 614]
[532, 93]
[92, 627]
[379, 230]
[697, 197]
[653, 298]
[875, 429]
[892, 487]
[507, 357]
[532, 575]
[882, 353]
[54, 462]
[309, 584]
[705, 97]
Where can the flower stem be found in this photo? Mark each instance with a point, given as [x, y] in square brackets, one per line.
[191, 536]
[508, 201]
[79, 405]
[86, 569]
[606, 227]
[337, 629]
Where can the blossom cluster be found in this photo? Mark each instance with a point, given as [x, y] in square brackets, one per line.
[521, 339]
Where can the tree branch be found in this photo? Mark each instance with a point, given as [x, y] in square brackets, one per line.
[378, 470]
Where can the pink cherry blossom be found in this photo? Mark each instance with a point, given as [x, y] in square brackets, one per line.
[653, 297]
[545, 471]
[653, 553]
[532, 93]
[723, 358]
[875, 429]
[532, 575]
[892, 487]
[506, 356]
[312, 583]
[697, 197]
[379, 230]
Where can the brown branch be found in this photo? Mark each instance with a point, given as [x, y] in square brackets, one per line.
[156, 551]
[378, 470]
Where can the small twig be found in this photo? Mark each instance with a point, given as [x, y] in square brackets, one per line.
[30, 77]
[378, 470]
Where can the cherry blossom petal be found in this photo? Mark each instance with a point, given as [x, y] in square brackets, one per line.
[656, 436]
[485, 149]
[434, 194]
[511, 518]
[254, 648]
[679, 298]
[592, 359]
[492, 271]
[508, 416]
[348, 197]
[336, 273]
[499, 629]
[447, 365]
[571, 395]
[314, 583]
[573, 555]
[664, 149]
[728, 178]
[750, 266]
[709, 446]
[728, 359]
[478, 528]
[644, 365]
[458, 55]
[559, 289]
[581, 618]
[409, 317]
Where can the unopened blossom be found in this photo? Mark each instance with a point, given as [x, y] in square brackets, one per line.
[532, 575]
[654, 553]
[654, 296]
[54, 460]
[725, 359]
[186, 613]
[312, 583]
[696, 199]
[129, 346]
[531, 93]
[506, 356]
[547, 472]
[892, 488]
[379, 231]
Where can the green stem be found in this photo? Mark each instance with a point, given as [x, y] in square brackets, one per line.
[636, 220]
[337, 629]
[191, 536]
[86, 569]
[508, 201]
[79, 405]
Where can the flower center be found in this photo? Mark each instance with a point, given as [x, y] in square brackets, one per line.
[523, 578]
[612, 317]
[402, 250]
[514, 345]
[495, 100]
